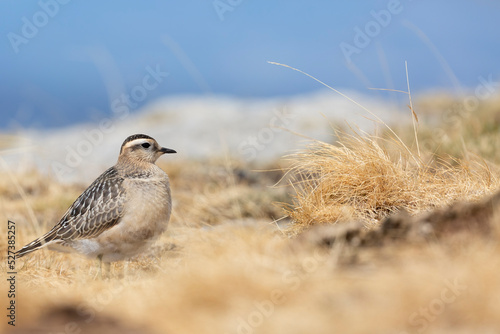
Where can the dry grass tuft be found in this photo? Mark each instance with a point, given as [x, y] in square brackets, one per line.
[366, 178]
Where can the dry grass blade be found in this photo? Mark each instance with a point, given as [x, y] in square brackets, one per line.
[414, 118]
[376, 118]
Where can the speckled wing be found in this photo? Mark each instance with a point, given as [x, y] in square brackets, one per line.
[96, 210]
[99, 208]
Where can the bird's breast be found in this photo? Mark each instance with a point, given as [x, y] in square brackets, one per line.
[149, 199]
[148, 208]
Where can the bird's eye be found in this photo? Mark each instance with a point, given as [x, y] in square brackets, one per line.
[146, 145]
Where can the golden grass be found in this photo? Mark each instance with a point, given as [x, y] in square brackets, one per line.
[360, 178]
[224, 267]
[208, 193]
[459, 127]
[241, 279]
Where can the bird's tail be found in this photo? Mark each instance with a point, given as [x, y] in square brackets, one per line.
[36, 244]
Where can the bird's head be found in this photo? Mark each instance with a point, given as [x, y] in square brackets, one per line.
[142, 148]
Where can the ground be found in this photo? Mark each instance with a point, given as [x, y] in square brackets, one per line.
[361, 235]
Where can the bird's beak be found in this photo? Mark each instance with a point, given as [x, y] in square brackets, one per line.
[167, 150]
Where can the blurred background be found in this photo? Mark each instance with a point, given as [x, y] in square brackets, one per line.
[85, 54]
[241, 255]
[200, 68]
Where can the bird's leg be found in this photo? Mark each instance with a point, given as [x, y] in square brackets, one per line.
[99, 265]
[107, 270]
[107, 267]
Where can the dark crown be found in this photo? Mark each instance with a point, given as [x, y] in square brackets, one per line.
[134, 137]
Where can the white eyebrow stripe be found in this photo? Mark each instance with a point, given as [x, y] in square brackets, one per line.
[138, 141]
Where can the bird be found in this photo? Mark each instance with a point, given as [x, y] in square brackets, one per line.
[121, 213]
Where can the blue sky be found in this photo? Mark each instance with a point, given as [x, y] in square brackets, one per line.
[82, 55]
